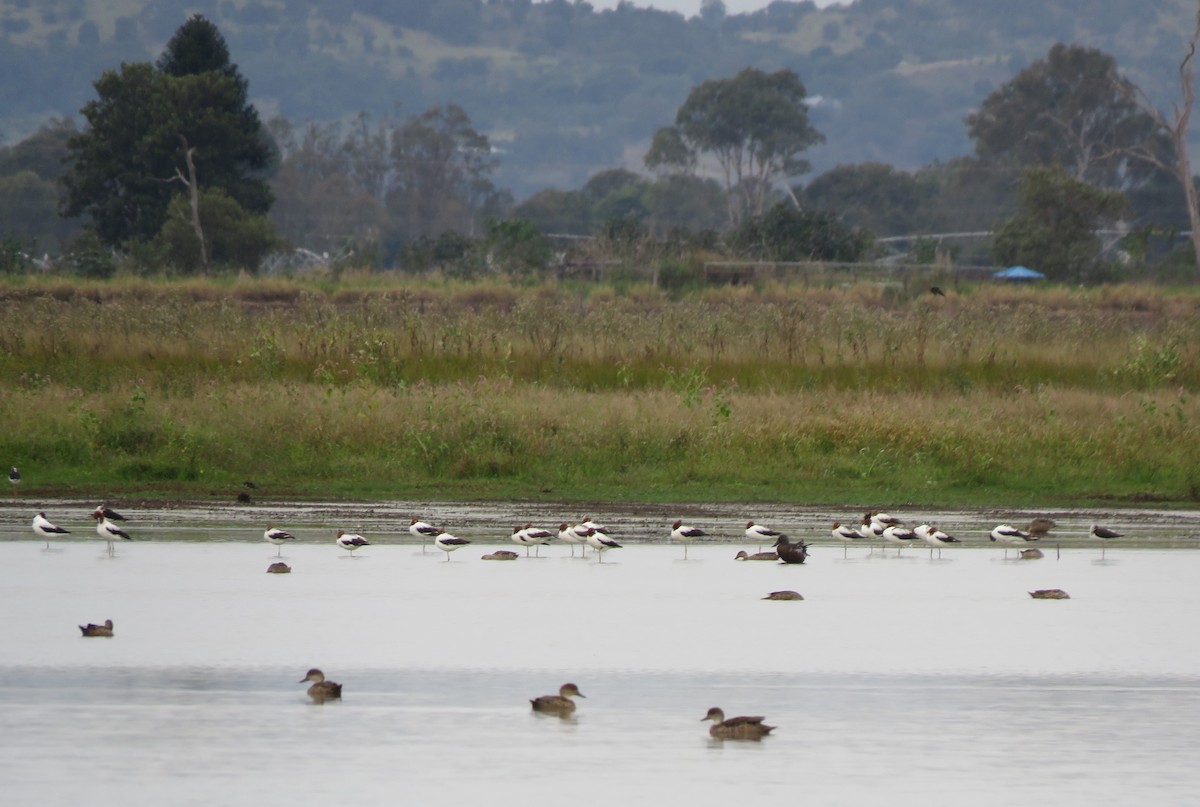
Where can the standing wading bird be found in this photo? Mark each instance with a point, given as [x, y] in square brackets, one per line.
[757, 532]
[14, 476]
[847, 535]
[45, 529]
[601, 543]
[935, 538]
[573, 536]
[685, 535]
[560, 704]
[539, 536]
[1009, 535]
[107, 530]
[1105, 533]
[277, 537]
[350, 541]
[900, 537]
[423, 530]
[735, 728]
[321, 690]
[448, 543]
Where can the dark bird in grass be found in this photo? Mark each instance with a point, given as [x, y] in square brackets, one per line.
[249, 485]
[789, 552]
[97, 630]
[937, 291]
[243, 497]
[735, 728]
[14, 476]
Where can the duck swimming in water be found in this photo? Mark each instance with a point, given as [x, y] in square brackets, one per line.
[741, 555]
[321, 690]
[97, 630]
[561, 703]
[789, 552]
[736, 728]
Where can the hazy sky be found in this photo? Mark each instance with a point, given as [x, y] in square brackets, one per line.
[691, 7]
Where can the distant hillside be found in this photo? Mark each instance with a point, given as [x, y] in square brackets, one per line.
[563, 90]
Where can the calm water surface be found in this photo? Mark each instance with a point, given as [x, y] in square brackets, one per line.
[898, 681]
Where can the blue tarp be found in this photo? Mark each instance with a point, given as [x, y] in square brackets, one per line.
[1018, 273]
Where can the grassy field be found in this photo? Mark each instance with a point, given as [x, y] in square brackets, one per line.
[385, 387]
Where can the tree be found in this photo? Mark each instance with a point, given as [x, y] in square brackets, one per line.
[874, 196]
[784, 233]
[122, 166]
[442, 168]
[1054, 229]
[1075, 109]
[756, 127]
[235, 239]
[1177, 126]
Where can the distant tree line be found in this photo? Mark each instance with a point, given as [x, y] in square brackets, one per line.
[173, 170]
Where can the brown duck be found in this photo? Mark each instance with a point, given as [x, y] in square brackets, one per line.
[1050, 594]
[789, 552]
[97, 630]
[735, 728]
[321, 690]
[561, 703]
[741, 555]
[501, 554]
[784, 595]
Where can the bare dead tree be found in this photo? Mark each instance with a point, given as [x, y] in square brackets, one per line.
[1177, 128]
[194, 195]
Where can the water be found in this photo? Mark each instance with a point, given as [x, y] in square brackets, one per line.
[898, 681]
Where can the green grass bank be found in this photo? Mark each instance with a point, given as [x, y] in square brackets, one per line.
[381, 387]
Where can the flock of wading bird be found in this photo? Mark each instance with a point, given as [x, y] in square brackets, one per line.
[875, 526]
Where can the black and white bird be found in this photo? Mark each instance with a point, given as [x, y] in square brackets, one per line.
[600, 542]
[846, 534]
[1106, 534]
[935, 538]
[448, 543]
[278, 537]
[14, 476]
[899, 536]
[45, 529]
[757, 532]
[350, 541]
[423, 530]
[1009, 535]
[107, 530]
[685, 535]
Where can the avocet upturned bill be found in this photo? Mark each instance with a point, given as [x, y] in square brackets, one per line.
[601, 543]
[758, 532]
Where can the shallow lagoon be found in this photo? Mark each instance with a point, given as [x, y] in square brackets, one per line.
[899, 680]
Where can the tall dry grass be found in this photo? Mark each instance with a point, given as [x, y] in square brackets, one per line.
[486, 389]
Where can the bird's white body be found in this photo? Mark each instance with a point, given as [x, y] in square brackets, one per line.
[278, 537]
[350, 541]
[108, 531]
[43, 527]
[448, 543]
[685, 535]
[899, 536]
[1010, 535]
[601, 543]
[573, 535]
[423, 530]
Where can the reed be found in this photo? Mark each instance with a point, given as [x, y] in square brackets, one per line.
[375, 388]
